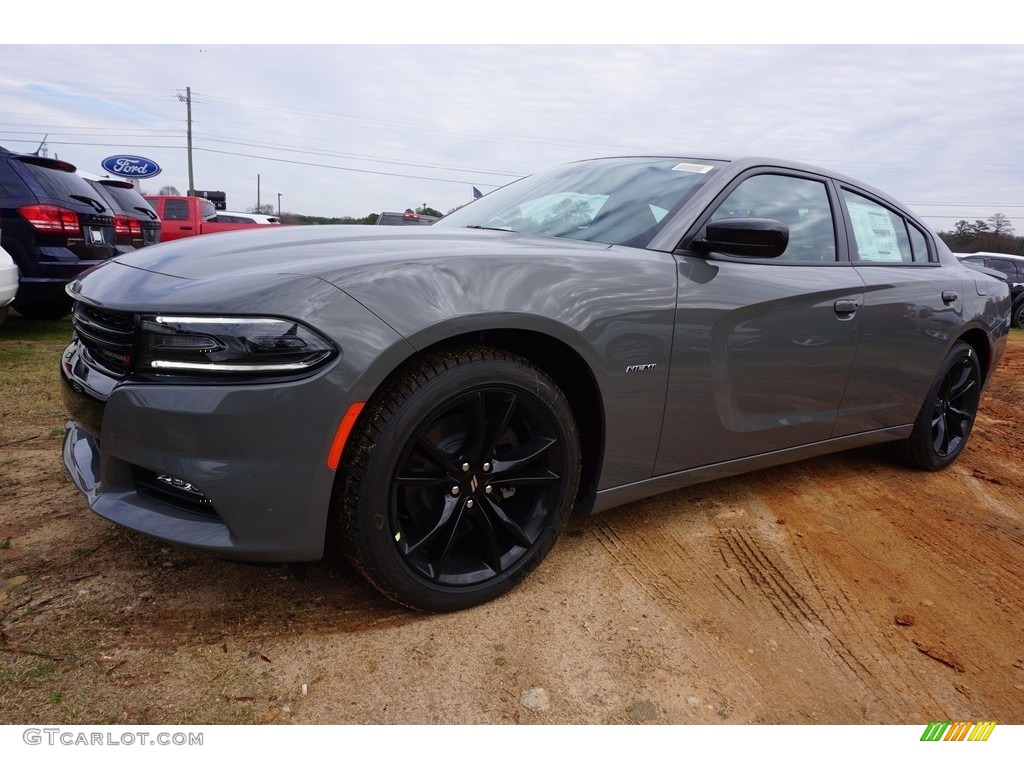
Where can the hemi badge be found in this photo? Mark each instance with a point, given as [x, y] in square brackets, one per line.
[644, 367]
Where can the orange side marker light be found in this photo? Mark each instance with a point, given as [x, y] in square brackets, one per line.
[341, 436]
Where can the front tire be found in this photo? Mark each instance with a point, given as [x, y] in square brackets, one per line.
[459, 479]
[947, 416]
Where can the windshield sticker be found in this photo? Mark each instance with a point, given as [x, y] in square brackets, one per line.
[693, 168]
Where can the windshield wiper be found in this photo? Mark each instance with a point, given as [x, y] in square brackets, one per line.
[100, 208]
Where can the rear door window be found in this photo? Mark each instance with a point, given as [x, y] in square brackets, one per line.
[880, 235]
[176, 210]
[1006, 266]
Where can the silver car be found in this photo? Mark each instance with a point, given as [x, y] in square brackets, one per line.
[434, 401]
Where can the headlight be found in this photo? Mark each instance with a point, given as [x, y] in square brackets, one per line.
[246, 346]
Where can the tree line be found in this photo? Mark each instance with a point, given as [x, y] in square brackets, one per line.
[994, 234]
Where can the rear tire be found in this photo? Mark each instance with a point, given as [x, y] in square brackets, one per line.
[459, 478]
[947, 416]
[38, 309]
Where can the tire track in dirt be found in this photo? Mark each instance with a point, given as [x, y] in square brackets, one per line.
[688, 561]
[789, 595]
[892, 677]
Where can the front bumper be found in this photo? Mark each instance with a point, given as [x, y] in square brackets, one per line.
[255, 456]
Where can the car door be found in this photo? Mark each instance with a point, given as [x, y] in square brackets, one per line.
[913, 306]
[763, 348]
[175, 216]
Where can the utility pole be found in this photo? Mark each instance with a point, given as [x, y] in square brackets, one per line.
[188, 107]
[278, 205]
[257, 192]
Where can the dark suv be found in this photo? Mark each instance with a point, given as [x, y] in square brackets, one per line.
[135, 222]
[54, 225]
[1012, 267]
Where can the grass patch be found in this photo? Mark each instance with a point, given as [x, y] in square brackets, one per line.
[30, 353]
[18, 327]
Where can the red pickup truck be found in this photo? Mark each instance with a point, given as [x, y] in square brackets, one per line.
[190, 216]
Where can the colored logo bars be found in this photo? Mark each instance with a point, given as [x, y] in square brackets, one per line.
[938, 730]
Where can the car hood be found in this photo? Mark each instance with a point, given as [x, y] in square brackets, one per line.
[331, 252]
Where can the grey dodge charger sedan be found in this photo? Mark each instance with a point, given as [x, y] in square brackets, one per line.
[436, 400]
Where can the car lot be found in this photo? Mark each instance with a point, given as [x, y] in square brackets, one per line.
[837, 590]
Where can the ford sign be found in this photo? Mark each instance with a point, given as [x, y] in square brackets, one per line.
[131, 166]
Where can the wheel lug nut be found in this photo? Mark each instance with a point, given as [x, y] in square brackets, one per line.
[455, 490]
[487, 466]
[469, 504]
[488, 489]
[465, 467]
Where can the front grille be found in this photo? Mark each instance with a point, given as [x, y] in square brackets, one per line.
[107, 336]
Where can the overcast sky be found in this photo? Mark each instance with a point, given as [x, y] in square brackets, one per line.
[348, 129]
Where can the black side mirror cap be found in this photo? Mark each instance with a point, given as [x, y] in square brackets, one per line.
[760, 238]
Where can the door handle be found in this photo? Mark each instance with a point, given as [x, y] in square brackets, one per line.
[949, 297]
[846, 306]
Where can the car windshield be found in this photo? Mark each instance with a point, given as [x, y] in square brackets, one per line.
[619, 201]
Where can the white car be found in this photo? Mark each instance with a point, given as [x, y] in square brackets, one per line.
[240, 217]
[8, 282]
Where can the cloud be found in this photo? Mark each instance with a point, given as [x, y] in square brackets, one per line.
[351, 129]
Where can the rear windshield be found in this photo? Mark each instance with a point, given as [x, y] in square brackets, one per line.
[209, 209]
[59, 184]
[128, 200]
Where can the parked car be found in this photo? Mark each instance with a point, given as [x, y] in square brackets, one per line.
[8, 283]
[391, 218]
[1012, 267]
[191, 216]
[240, 217]
[135, 222]
[54, 225]
[440, 399]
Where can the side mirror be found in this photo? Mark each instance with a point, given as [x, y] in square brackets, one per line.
[761, 238]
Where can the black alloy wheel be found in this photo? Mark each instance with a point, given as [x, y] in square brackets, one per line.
[947, 416]
[471, 477]
[956, 403]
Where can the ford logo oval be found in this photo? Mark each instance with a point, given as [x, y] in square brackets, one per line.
[131, 166]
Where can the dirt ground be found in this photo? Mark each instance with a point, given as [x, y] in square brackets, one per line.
[838, 590]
